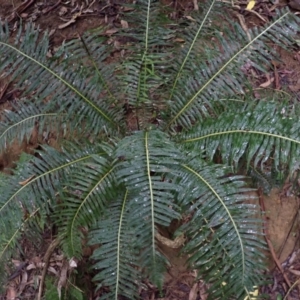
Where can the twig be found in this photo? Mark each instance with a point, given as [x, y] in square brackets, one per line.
[46, 10]
[290, 289]
[20, 9]
[18, 271]
[290, 230]
[271, 248]
[47, 256]
[2, 92]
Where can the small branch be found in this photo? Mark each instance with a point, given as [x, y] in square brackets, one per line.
[20, 9]
[47, 256]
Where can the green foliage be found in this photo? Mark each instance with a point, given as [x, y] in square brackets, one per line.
[69, 293]
[138, 144]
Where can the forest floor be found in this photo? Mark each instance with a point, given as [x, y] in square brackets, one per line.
[65, 20]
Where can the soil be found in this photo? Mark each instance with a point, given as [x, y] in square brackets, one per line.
[66, 20]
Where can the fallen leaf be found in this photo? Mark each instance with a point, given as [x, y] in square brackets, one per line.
[193, 292]
[296, 87]
[63, 278]
[26, 181]
[24, 282]
[63, 10]
[296, 272]
[72, 263]
[179, 40]
[126, 8]
[66, 24]
[124, 24]
[190, 18]
[267, 83]
[111, 31]
[11, 293]
[250, 5]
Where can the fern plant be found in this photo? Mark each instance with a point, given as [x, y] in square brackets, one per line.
[157, 135]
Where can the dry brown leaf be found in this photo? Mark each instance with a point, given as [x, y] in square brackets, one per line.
[193, 292]
[296, 272]
[296, 87]
[111, 31]
[52, 270]
[31, 267]
[124, 24]
[86, 11]
[203, 291]
[196, 7]
[11, 293]
[16, 262]
[72, 263]
[179, 40]
[26, 180]
[127, 9]
[63, 278]
[66, 24]
[63, 10]
[190, 18]
[267, 83]
[178, 242]
[23, 283]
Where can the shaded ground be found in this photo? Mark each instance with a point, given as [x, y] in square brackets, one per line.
[65, 20]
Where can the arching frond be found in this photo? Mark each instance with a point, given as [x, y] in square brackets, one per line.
[19, 123]
[89, 188]
[151, 201]
[267, 131]
[117, 254]
[144, 72]
[26, 62]
[223, 231]
[35, 185]
[197, 95]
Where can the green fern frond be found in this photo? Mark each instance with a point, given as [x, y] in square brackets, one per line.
[196, 95]
[117, 254]
[19, 123]
[223, 229]
[145, 71]
[65, 89]
[35, 182]
[152, 200]
[115, 187]
[85, 199]
[265, 131]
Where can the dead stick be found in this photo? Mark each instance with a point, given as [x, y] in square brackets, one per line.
[47, 256]
[20, 9]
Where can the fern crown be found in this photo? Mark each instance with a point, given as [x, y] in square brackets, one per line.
[159, 134]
